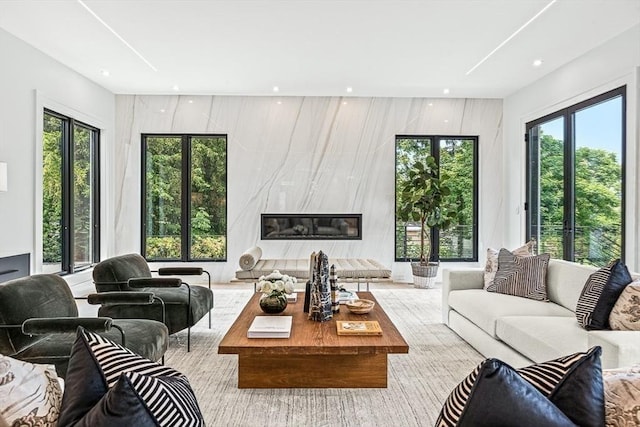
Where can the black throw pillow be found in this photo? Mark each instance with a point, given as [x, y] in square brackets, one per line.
[618, 280]
[495, 395]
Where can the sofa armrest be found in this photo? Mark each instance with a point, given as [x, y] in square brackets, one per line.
[454, 280]
[619, 348]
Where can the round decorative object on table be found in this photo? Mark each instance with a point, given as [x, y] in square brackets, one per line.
[273, 303]
[360, 306]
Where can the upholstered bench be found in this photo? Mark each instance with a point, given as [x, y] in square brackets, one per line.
[349, 270]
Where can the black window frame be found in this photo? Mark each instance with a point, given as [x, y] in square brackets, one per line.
[435, 232]
[67, 220]
[185, 231]
[568, 115]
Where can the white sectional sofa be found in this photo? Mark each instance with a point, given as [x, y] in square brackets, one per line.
[521, 331]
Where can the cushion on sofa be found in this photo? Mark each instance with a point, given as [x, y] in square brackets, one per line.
[491, 267]
[521, 276]
[565, 281]
[622, 394]
[494, 394]
[250, 258]
[573, 383]
[30, 394]
[625, 315]
[599, 295]
[485, 308]
[541, 338]
[98, 366]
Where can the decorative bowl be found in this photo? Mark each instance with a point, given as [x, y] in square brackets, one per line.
[360, 306]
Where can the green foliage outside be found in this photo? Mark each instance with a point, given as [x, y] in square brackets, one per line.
[457, 163]
[207, 197]
[52, 190]
[598, 195]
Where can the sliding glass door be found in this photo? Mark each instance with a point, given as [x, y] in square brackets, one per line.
[575, 206]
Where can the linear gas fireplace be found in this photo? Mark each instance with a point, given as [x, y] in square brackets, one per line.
[311, 226]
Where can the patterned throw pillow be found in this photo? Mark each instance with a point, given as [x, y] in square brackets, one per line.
[491, 267]
[521, 276]
[625, 315]
[599, 295]
[622, 394]
[494, 394]
[107, 384]
[570, 388]
[29, 394]
[573, 383]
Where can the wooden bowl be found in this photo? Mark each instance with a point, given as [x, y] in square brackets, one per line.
[360, 306]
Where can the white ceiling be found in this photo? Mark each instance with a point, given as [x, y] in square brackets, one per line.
[401, 48]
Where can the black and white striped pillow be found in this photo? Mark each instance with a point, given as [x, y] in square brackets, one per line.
[521, 276]
[494, 394]
[571, 385]
[106, 383]
[600, 293]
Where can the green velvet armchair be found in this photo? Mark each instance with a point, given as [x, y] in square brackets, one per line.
[177, 304]
[39, 318]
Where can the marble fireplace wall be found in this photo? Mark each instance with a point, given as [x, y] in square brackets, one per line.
[306, 154]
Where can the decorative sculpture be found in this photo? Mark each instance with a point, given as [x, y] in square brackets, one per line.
[320, 298]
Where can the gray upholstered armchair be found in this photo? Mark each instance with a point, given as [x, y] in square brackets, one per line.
[178, 305]
[39, 318]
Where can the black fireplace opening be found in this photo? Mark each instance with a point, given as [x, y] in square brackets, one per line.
[311, 226]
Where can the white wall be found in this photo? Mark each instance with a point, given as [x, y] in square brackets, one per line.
[307, 155]
[29, 81]
[613, 64]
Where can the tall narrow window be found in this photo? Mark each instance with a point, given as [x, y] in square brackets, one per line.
[184, 197]
[457, 160]
[70, 185]
[576, 180]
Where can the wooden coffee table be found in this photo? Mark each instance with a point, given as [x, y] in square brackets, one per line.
[314, 356]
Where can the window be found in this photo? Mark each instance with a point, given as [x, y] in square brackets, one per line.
[70, 208]
[575, 180]
[457, 158]
[184, 190]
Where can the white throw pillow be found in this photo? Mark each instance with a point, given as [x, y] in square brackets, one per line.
[491, 267]
[29, 394]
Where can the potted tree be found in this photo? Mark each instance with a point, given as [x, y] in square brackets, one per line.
[421, 193]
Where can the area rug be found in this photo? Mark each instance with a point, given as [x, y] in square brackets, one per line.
[418, 382]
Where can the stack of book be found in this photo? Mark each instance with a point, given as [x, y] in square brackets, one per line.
[364, 327]
[270, 327]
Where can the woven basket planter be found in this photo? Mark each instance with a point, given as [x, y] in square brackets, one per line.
[424, 276]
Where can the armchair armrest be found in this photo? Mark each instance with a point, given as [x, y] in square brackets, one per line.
[119, 298]
[155, 282]
[45, 325]
[180, 271]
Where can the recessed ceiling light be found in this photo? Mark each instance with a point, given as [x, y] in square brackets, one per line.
[276, 89]
[176, 88]
[162, 110]
[349, 89]
[104, 73]
[446, 120]
[344, 102]
[537, 62]
[191, 101]
[446, 91]
[430, 104]
[279, 102]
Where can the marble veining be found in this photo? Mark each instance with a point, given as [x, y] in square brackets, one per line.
[307, 154]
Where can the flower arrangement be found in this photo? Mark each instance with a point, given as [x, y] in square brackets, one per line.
[276, 284]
